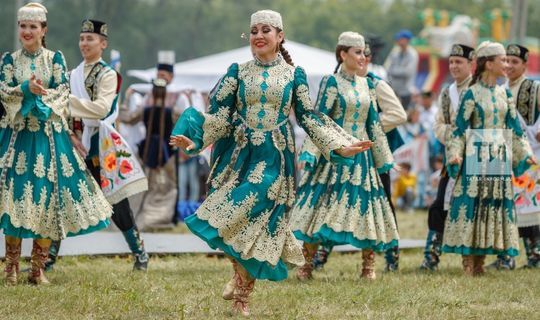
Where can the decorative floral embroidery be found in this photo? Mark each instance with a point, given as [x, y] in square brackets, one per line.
[256, 176]
[110, 162]
[215, 126]
[39, 166]
[67, 169]
[51, 172]
[331, 95]
[257, 138]
[80, 161]
[58, 127]
[72, 216]
[33, 124]
[20, 167]
[228, 87]
[279, 140]
[125, 167]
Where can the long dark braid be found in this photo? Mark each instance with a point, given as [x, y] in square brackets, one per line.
[285, 54]
[43, 43]
[480, 68]
[340, 48]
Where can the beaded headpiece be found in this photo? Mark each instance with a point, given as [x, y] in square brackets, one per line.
[269, 17]
[351, 39]
[33, 11]
[488, 49]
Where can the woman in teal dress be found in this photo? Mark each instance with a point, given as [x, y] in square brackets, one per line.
[346, 203]
[252, 185]
[45, 192]
[482, 217]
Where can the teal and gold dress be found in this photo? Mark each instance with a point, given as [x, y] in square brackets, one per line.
[346, 203]
[482, 217]
[45, 190]
[252, 184]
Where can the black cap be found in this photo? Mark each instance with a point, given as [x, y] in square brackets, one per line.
[463, 51]
[165, 67]
[426, 94]
[517, 51]
[95, 26]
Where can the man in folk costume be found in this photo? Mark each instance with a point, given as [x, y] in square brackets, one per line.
[460, 66]
[526, 95]
[93, 104]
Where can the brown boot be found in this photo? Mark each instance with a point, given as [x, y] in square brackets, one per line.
[228, 291]
[305, 272]
[478, 262]
[368, 264]
[40, 253]
[244, 286]
[468, 264]
[13, 253]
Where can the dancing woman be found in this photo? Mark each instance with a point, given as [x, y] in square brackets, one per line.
[252, 185]
[45, 190]
[346, 203]
[482, 217]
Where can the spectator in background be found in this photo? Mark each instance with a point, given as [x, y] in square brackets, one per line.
[434, 178]
[404, 188]
[401, 66]
[413, 128]
[428, 110]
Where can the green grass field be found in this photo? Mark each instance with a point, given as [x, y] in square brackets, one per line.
[189, 287]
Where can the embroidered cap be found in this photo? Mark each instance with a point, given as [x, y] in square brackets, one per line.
[488, 49]
[463, 51]
[351, 39]
[95, 26]
[518, 51]
[269, 17]
[33, 11]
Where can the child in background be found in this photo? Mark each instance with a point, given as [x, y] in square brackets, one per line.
[404, 188]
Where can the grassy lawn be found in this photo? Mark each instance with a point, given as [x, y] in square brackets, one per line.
[189, 287]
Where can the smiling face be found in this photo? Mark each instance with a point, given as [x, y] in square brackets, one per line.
[515, 68]
[91, 46]
[497, 67]
[460, 68]
[31, 34]
[353, 59]
[264, 41]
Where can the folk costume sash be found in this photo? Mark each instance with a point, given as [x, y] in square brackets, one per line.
[121, 174]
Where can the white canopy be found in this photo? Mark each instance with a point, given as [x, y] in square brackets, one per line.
[203, 73]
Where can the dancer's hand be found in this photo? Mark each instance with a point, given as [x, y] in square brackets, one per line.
[36, 86]
[183, 142]
[77, 144]
[455, 160]
[354, 148]
[532, 161]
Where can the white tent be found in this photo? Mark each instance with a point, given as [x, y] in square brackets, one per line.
[203, 73]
